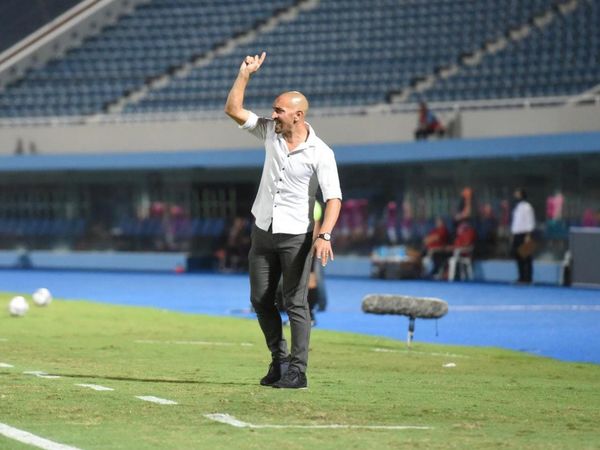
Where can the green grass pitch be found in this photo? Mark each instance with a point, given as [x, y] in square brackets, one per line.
[492, 398]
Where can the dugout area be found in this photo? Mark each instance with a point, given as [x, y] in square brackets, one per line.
[119, 202]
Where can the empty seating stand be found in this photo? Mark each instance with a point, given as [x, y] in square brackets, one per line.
[560, 59]
[350, 55]
[145, 44]
[341, 53]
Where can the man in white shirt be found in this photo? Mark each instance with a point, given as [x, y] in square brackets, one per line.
[297, 162]
[522, 227]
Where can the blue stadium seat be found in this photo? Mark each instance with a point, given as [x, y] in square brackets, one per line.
[125, 55]
[386, 47]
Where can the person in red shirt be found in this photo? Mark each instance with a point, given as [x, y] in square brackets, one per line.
[464, 241]
[435, 242]
[428, 124]
[465, 237]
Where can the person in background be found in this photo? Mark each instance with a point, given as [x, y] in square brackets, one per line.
[428, 124]
[232, 253]
[435, 243]
[590, 218]
[522, 227]
[464, 242]
[390, 218]
[487, 231]
[465, 207]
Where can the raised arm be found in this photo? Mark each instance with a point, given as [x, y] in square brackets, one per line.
[234, 107]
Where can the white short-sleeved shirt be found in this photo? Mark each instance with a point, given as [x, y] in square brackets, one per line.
[289, 182]
[523, 218]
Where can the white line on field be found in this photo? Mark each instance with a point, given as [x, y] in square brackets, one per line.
[531, 308]
[31, 439]
[3, 339]
[410, 352]
[160, 401]
[230, 420]
[5, 365]
[149, 341]
[40, 374]
[95, 387]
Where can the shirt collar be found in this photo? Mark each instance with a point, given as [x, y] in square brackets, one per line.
[311, 141]
[312, 136]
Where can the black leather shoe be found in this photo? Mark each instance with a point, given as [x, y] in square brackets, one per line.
[293, 379]
[276, 370]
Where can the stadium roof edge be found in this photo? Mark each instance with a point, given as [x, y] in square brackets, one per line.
[386, 153]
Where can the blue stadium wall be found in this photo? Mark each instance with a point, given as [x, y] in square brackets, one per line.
[428, 151]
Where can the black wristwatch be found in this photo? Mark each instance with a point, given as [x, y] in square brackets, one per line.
[325, 236]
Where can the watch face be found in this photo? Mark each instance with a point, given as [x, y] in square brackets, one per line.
[326, 236]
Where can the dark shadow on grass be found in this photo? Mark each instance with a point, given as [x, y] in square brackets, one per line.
[150, 380]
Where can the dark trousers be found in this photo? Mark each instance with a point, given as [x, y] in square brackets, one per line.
[288, 256]
[439, 259]
[524, 264]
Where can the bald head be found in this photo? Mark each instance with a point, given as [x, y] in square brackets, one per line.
[295, 100]
[289, 111]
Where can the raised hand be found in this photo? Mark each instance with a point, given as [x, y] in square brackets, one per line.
[252, 63]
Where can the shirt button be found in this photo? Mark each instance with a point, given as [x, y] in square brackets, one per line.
[283, 168]
[280, 179]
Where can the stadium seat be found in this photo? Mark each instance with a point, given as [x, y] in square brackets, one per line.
[387, 46]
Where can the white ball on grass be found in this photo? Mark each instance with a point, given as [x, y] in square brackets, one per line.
[42, 297]
[18, 306]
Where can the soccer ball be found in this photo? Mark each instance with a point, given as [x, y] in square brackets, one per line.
[42, 297]
[18, 306]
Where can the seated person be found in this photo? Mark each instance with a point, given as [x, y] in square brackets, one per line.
[463, 243]
[437, 239]
[428, 124]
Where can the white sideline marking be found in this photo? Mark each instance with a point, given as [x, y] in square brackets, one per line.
[7, 366]
[153, 399]
[95, 387]
[31, 439]
[533, 308]
[149, 341]
[389, 350]
[230, 420]
[40, 374]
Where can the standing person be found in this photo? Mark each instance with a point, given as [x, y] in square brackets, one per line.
[465, 207]
[297, 162]
[522, 226]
